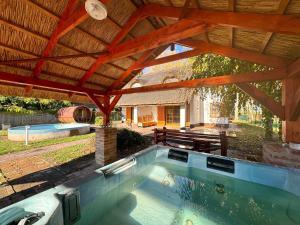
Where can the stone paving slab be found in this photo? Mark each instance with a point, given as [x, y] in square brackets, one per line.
[24, 177]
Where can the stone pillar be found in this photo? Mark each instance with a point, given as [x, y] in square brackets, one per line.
[106, 145]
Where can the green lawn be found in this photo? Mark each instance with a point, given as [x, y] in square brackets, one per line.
[3, 132]
[7, 146]
[249, 140]
[67, 154]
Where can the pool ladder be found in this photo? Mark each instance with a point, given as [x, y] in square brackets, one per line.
[119, 167]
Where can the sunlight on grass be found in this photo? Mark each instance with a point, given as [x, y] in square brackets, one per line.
[7, 146]
[3, 132]
[70, 153]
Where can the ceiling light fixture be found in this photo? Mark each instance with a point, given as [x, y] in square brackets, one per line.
[96, 9]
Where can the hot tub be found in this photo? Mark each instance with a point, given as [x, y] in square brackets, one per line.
[162, 186]
[48, 131]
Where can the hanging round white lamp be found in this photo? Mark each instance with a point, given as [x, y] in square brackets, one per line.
[96, 9]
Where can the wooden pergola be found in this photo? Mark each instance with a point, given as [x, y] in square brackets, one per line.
[66, 66]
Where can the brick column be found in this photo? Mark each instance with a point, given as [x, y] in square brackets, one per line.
[106, 145]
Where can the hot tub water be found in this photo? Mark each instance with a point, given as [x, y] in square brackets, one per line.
[172, 195]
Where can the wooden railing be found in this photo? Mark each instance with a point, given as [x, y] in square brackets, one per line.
[191, 140]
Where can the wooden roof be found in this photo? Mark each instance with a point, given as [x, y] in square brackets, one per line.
[115, 48]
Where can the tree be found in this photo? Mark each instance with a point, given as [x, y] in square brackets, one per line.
[210, 65]
[29, 105]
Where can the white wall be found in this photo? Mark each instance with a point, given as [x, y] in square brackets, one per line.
[197, 110]
[182, 116]
[135, 115]
[154, 111]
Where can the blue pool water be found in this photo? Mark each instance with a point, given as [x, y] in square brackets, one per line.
[45, 128]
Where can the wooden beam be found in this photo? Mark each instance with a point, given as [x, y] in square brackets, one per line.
[202, 47]
[114, 102]
[296, 106]
[63, 26]
[134, 66]
[281, 9]
[25, 80]
[294, 68]
[255, 21]
[185, 9]
[50, 58]
[180, 30]
[231, 7]
[171, 58]
[132, 21]
[275, 107]
[96, 101]
[276, 74]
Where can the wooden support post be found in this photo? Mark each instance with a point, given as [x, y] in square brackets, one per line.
[207, 147]
[196, 145]
[224, 143]
[290, 100]
[155, 136]
[164, 136]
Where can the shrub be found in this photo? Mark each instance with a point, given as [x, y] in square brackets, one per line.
[99, 121]
[128, 138]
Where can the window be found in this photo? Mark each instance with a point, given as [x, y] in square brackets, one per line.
[173, 115]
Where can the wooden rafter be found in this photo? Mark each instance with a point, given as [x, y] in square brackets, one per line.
[133, 67]
[132, 21]
[264, 22]
[185, 9]
[30, 54]
[294, 68]
[180, 30]
[99, 61]
[295, 114]
[170, 58]
[101, 41]
[66, 23]
[96, 101]
[114, 102]
[231, 7]
[246, 55]
[277, 74]
[49, 58]
[204, 48]
[44, 38]
[275, 107]
[24, 80]
[281, 9]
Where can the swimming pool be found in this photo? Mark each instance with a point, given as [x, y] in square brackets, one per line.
[160, 186]
[48, 131]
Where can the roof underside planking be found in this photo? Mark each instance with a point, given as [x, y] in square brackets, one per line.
[72, 55]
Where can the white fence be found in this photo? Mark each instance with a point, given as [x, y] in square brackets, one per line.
[24, 119]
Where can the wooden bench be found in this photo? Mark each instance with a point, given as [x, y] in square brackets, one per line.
[199, 142]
